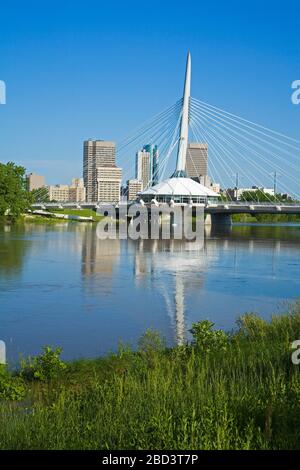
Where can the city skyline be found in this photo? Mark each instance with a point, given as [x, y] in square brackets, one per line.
[52, 106]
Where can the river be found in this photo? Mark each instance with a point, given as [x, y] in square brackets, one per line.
[62, 286]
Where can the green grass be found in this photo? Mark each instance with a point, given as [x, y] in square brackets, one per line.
[224, 391]
[266, 218]
[37, 219]
[79, 212]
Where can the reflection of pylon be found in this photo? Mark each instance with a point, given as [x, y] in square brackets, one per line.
[2, 352]
[179, 306]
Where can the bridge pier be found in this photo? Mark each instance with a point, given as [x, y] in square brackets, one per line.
[221, 219]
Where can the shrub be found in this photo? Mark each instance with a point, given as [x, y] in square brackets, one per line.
[46, 366]
[11, 388]
[206, 339]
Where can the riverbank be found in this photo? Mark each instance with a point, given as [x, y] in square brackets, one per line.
[237, 390]
[266, 218]
[50, 219]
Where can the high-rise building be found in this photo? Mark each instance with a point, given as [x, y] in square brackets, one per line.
[96, 153]
[133, 187]
[196, 160]
[34, 181]
[109, 183]
[154, 162]
[147, 165]
[143, 167]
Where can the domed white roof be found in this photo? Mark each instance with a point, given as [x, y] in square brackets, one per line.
[180, 187]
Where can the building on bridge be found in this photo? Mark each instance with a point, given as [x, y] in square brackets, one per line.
[179, 191]
[180, 188]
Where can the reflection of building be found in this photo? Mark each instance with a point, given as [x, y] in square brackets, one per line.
[34, 181]
[98, 256]
[133, 188]
[196, 160]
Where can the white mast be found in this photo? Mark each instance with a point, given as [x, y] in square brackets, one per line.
[184, 125]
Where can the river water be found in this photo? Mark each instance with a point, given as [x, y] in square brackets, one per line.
[62, 286]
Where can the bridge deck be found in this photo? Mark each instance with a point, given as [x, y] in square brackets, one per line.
[224, 208]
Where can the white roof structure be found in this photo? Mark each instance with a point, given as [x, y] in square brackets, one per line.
[179, 187]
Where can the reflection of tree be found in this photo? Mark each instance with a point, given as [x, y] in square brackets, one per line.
[12, 251]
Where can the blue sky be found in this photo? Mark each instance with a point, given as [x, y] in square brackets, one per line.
[91, 69]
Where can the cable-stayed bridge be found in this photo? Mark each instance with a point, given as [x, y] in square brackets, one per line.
[240, 152]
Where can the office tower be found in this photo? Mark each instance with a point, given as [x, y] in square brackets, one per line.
[155, 168]
[108, 183]
[147, 165]
[143, 167]
[133, 187]
[96, 153]
[196, 160]
[34, 181]
[154, 162]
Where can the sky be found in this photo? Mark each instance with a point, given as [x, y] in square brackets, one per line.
[96, 69]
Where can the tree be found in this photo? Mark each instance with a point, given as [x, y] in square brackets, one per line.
[14, 198]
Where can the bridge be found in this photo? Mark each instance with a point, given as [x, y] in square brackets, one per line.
[240, 152]
[220, 213]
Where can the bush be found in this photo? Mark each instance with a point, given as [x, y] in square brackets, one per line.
[46, 366]
[206, 339]
[11, 388]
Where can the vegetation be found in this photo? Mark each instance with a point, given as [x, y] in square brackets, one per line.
[80, 212]
[235, 390]
[14, 198]
[260, 196]
[266, 218]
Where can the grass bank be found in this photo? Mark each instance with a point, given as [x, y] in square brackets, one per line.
[80, 212]
[266, 218]
[235, 390]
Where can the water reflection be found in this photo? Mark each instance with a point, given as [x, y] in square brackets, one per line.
[61, 285]
[13, 251]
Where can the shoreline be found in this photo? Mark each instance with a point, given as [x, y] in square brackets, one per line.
[224, 390]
